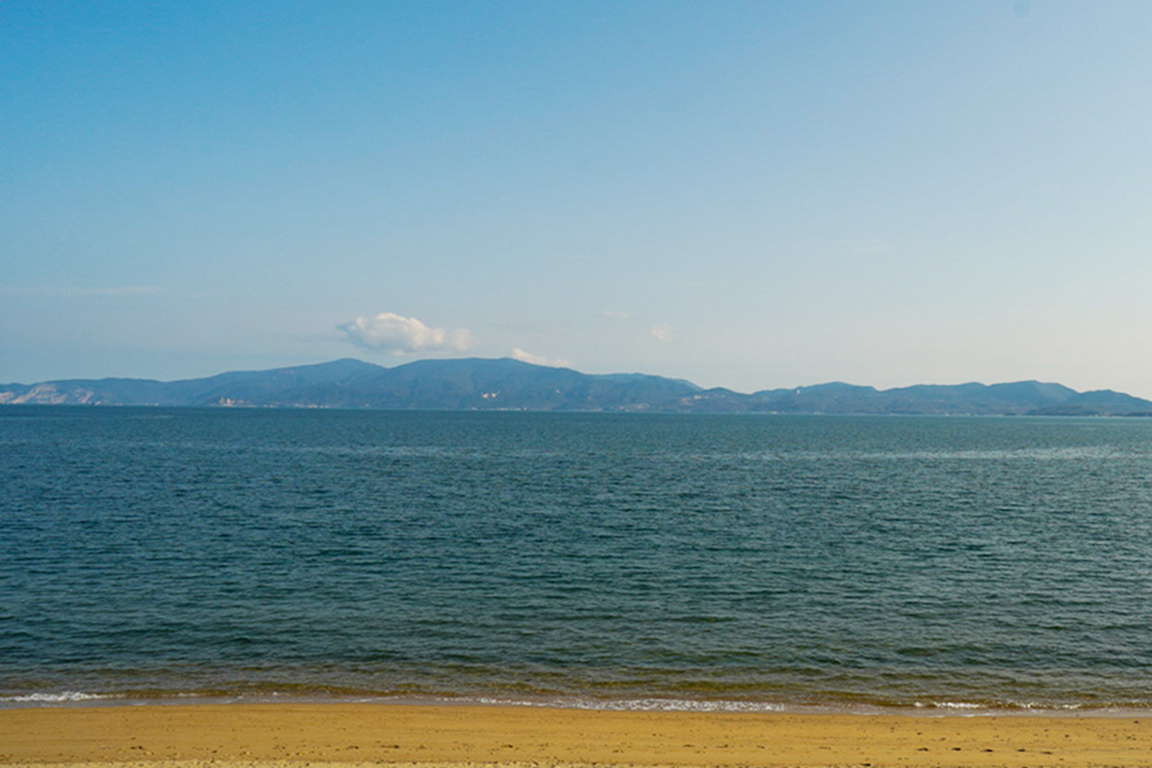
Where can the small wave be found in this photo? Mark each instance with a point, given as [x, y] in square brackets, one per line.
[1005, 707]
[638, 705]
[1033, 705]
[966, 705]
[688, 705]
[53, 698]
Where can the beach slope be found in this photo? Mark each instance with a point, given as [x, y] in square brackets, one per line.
[471, 735]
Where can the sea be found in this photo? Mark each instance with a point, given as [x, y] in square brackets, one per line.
[603, 560]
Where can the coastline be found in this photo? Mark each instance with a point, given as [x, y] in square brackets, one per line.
[401, 735]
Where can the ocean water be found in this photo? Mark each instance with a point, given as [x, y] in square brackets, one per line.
[605, 560]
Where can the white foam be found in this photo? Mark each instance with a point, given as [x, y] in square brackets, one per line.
[639, 705]
[689, 705]
[52, 698]
[950, 705]
[1008, 707]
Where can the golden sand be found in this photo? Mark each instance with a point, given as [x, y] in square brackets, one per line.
[283, 734]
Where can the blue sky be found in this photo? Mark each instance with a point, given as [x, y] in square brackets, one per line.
[751, 195]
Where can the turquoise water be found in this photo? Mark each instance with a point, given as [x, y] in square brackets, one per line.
[602, 560]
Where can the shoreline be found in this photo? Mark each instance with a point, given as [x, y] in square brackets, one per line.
[81, 700]
[401, 734]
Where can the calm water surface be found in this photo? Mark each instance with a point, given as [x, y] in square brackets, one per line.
[579, 559]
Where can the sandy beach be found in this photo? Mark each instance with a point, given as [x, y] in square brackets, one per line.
[470, 735]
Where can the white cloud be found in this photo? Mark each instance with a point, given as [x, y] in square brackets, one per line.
[398, 334]
[612, 315]
[663, 332]
[528, 357]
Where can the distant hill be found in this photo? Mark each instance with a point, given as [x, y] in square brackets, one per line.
[482, 384]
[472, 384]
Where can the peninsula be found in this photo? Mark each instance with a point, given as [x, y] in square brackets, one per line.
[505, 384]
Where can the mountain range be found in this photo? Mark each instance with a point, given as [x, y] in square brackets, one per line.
[485, 384]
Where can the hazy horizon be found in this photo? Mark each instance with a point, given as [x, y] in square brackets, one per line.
[747, 195]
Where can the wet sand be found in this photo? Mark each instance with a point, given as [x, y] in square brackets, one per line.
[283, 734]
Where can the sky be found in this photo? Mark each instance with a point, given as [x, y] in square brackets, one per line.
[743, 194]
